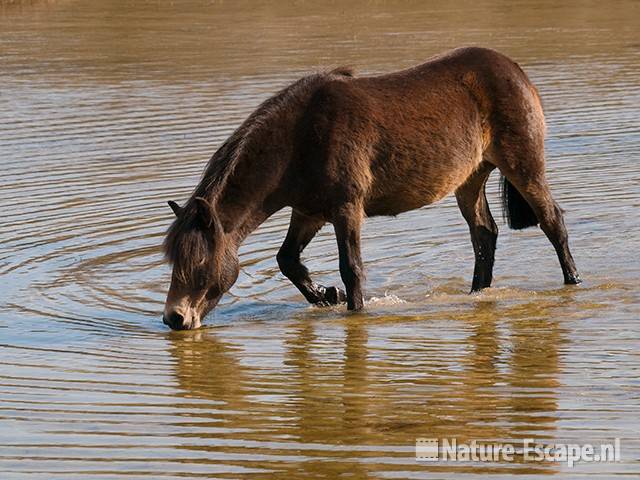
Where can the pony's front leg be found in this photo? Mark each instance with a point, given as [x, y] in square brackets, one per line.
[347, 222]
[301, 230]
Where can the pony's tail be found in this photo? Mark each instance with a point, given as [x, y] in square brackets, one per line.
[515, 209]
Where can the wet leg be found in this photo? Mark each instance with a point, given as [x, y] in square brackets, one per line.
[347, 222]
[301, 230]
[483, 229]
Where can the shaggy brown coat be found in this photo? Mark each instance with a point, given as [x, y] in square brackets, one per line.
[336, 148]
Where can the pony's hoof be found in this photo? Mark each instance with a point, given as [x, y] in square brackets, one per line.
[327, 296]
[573, 280]
[333, 296]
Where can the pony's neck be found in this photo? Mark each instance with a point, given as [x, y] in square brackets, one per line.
[247, 174]
[242, 206]
[239, 228]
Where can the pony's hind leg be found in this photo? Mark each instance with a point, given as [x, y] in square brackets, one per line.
[483, 229]
[302, 229]
[521, 161]
[537, 194]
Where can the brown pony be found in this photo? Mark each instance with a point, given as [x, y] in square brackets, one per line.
[337, 148]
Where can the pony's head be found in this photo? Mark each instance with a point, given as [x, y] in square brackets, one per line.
[204, 263]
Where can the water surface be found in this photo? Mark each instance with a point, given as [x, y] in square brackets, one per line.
[110, 108]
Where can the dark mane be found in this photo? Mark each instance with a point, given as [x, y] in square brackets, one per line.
[186, 241]
[185, 244]
[223, 162]
[343, 71]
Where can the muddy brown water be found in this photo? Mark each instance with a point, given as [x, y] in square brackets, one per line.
[110, 108]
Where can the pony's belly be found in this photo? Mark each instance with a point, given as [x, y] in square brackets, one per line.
[400, 202]
[423, 187]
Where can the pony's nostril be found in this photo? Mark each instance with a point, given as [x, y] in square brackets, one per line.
[174, 320]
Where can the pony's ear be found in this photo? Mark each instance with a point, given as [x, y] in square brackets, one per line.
[177, 209]
[205, 211]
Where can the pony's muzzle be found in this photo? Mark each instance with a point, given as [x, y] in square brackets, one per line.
[180, 318]
[175, 321]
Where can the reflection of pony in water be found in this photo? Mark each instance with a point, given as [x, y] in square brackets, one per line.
[357, 387]
[208, 367]
[336, 148]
